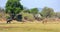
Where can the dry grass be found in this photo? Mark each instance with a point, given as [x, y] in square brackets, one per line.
[29, 27]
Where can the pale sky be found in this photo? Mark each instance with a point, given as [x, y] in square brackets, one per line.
[55, 4]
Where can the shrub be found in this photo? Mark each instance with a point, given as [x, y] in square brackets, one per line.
[27, 16]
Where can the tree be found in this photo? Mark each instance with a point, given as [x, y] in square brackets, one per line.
[34, 10]
[47, 12]
[1, 9]
[26, 10]
[57, 14]
[13, 7]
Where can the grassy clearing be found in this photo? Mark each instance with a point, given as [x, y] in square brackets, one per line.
[29, 27]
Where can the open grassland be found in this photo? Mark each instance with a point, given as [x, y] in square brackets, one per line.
[30, 27]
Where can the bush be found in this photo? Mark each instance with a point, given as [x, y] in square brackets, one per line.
[7, 16]
[27, 16]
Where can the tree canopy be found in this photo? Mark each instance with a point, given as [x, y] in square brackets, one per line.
[13, 6]
[47, 12]
[34, 10]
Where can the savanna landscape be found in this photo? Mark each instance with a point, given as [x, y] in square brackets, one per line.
[15, 17]
[30, 27]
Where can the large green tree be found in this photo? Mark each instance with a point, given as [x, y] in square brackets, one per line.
[47, 12]
[13, 7]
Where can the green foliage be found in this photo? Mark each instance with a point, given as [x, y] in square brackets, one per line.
[34, 10]
[13, 6]
[57, 14]
[28, 15]
[47, 12]
[7, 16]
[26, 11]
